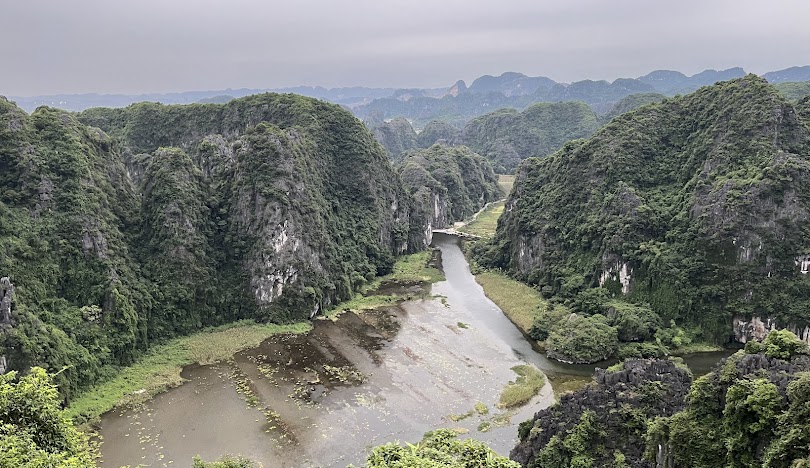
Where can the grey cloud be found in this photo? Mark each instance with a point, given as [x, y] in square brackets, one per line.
[173, 45]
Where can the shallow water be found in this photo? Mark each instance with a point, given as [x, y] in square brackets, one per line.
[324, 398]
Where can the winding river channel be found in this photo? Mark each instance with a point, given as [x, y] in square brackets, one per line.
[324, 398]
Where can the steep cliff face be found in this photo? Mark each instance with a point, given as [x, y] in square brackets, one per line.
[269, 207]
[506, 137]
[605, 421]
[696, 205]
[449, 184]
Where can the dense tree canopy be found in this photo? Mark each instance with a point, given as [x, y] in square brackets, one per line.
[33, 431]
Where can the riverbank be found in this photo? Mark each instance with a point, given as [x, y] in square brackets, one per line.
[324, 397]
[159, 370]
[518, 301]
[409, 270]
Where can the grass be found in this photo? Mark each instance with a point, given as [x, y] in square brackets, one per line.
[408, 269]
[481, 408]
[517, 300]
[528, 384]
[486, 222]
[159, 370]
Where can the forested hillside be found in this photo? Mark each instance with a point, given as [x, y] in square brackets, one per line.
[171, 218]
[448, 184]
[506, 137]
[695, 210]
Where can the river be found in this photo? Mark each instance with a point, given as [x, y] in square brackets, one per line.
[324, 398]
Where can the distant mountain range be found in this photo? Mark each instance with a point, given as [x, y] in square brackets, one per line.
[456, 104]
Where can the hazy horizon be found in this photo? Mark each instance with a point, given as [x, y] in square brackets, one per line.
[93, 46]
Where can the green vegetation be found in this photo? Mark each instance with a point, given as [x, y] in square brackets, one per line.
[34, 431]
[439, 449]
[750, 411]
[519, 302]
[528, 384]
[669, 222]
[159, 369]
[485, 224]
[396, 136]
[462, 416]
[448, 184]
[437, 132]
[632, 102]
[590, 426]
[571, 449]
[506, 137]
[582, 339]
[177, 218]
[794, 91]
[506, 182]
[225, 462]
[408, 270]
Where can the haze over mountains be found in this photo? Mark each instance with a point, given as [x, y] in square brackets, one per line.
[510, 89]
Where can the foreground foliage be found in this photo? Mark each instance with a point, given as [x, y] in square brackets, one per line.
[750, 411]
[34, 431]
[439, 449]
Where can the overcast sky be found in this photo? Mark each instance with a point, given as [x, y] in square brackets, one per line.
[126, 46]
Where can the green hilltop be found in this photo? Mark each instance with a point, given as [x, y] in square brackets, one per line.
[125, 227]
[696, 208]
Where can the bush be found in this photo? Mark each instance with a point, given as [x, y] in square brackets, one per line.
[641, 350]
[439, 449]
[583, 340]
[634, 322]
[779, 344]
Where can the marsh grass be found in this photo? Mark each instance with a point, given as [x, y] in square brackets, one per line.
[486, 222]
[521, 303]
[408, 270]
[159, 370]
[528, 384]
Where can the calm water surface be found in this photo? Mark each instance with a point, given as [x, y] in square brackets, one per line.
[323, 399]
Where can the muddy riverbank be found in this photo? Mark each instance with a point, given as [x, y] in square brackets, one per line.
[324, 398]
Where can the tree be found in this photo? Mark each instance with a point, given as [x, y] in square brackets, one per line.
[439, 449]
[33, 429]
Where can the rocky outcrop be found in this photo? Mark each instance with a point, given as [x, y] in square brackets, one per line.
[127, 226]
[655, 208]
[396, 136]
[725, 420]
[449, 184]
[619, 401]
[757, 328]
[6, 310]
[506, 137]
